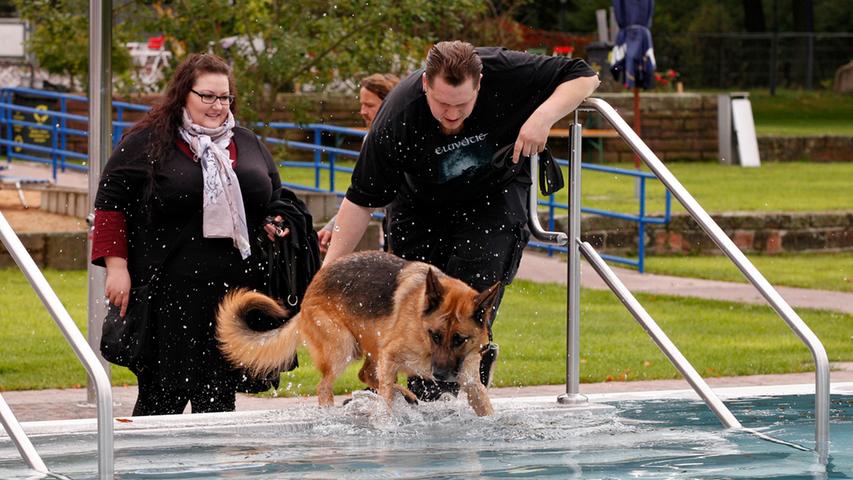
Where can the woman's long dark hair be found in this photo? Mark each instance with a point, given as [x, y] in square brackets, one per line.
[162, 121]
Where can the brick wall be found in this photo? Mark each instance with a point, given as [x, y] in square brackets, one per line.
[766, 233]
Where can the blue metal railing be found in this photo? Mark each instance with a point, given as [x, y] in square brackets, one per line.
[324, 158]
[641, 218]
[56, 123]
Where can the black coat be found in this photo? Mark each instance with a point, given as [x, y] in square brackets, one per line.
[201, 270]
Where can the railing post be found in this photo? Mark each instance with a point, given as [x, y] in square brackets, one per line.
[318, 156]
[63, 125]
[572, 395]
[99, 147]
[117, 128]
[54, 144]
[641, 229]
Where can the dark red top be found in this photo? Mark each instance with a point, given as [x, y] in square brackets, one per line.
[110, 236]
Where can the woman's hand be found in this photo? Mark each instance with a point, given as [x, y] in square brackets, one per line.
[117, 287]
[273, 228]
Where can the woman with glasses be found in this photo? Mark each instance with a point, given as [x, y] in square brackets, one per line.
[186, 193]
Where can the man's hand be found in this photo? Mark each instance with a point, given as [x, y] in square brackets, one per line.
[323, 238]
[117, 286]
[532, 137]
[566, 97]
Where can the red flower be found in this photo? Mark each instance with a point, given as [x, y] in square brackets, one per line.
[671, 73]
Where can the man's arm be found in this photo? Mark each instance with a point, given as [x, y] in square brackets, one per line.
[350, 225]
[567, 96]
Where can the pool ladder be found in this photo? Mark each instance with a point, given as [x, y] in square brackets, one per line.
[576, 247]
[84, 352]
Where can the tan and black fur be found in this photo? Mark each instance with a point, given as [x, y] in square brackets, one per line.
[401, 317]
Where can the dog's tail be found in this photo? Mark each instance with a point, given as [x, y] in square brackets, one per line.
[259, 352]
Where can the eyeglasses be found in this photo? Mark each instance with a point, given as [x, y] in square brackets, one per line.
[210, 98]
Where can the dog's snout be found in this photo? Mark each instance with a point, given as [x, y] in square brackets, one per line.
[444, 374]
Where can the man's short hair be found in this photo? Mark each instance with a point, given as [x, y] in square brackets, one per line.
[455, 62]
[380, 84]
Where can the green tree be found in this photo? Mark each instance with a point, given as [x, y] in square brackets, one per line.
[60, 38]
[305, 44]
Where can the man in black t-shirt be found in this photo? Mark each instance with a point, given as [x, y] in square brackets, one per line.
[446, 151]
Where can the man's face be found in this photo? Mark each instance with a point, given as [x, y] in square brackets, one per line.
[370, 103]
[451, 105]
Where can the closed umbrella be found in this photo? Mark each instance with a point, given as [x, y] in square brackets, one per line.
[633, 52]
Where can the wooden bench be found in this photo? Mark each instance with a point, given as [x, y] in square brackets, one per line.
[597, 135]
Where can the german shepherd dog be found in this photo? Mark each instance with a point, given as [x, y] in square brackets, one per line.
[402, 317]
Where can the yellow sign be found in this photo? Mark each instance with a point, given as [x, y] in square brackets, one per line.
[41, 118]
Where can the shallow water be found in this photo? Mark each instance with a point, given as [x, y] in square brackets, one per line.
[635, 439]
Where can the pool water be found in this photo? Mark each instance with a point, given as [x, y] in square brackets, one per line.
[527, 438]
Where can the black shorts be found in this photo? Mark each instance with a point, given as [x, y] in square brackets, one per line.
[479, 243]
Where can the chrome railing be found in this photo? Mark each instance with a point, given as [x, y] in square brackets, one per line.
[576, 247]
[81, 348]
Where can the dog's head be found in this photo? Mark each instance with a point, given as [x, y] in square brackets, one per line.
[456, 319]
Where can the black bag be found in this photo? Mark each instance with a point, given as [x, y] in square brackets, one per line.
[550, 174]
[125, 340]
[292, 262]
[128, 341]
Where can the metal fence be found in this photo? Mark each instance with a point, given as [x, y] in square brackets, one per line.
[754, 60]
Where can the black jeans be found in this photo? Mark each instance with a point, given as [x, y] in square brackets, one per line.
[162, 398]
[479, 243]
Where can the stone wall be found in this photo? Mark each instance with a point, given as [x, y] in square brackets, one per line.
[753, 233]
[57, 250]
[816, 149]
[676, 127]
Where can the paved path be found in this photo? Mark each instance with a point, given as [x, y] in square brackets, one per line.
[540, 268]
[68, 178]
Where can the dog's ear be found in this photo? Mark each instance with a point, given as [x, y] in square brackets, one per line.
[485, 304]
[434, 292]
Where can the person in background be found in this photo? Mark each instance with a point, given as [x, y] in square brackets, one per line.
[374, 89]
[186, 176]
[446, 151]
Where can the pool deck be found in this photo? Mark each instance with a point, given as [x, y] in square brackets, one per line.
[42, 405]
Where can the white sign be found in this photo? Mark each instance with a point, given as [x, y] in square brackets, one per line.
[12, 40]
[744, 126]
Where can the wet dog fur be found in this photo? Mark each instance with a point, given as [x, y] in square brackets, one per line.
[401, 317]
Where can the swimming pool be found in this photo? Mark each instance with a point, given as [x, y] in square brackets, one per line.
[648, 435]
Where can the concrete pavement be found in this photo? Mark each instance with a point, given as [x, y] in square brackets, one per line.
[540, 268]
[42, 405]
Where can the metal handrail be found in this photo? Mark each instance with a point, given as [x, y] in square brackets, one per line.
[536, 229]
[78, 344]
[739, 259]
[661, 339]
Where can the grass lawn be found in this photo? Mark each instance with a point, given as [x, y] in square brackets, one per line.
[774, 187]
[802, 113]
[530, 330]
[824, 271]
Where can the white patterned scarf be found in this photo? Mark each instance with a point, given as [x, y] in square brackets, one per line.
[224, 214]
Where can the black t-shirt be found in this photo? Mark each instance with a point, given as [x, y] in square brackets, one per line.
[407, 155]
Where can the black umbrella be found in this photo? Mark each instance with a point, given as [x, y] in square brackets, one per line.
[633, 53]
